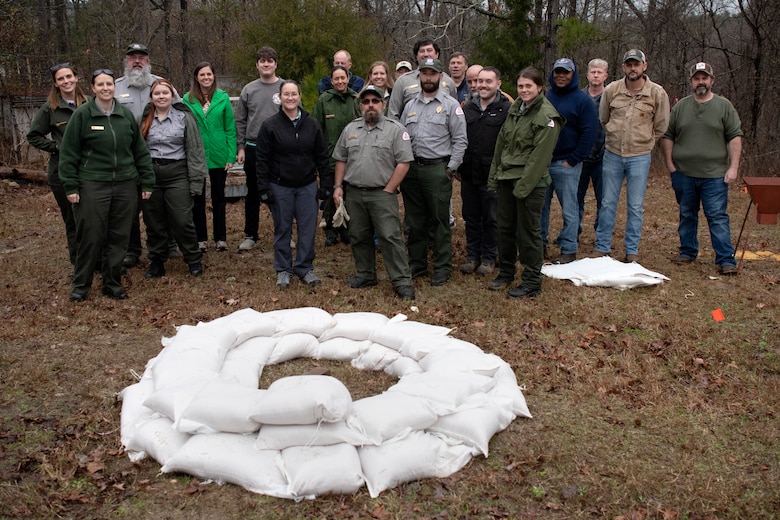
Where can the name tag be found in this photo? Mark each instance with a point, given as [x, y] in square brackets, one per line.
[351, 137]
[124, 95]
[330, 116]
[96, 127]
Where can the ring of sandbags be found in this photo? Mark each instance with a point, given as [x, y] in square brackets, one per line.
[197, 409]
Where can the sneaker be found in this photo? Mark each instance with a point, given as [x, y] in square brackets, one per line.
[405, 292]
[156, 269]
[682, 259]
[357, 282]
[468, 267]
[311, 279]
[499, 283]
[484, 268]
[247, 244]
[565, 258]
[283, 279]
[203, 246]
[221, 245]
[631, 258]
[523, 292]
[452, 222]
[728, 269]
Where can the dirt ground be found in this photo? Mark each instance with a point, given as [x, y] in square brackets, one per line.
[644, 406]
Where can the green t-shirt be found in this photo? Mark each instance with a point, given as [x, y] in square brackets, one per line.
[701, 132]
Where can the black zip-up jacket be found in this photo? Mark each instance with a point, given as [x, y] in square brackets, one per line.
[290, 155]
[482, 128]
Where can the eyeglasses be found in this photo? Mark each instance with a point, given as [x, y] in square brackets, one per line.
[59, 66]
[370, 101]
[98, 72]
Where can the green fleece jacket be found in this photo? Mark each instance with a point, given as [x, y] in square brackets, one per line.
[525, 146]
[334, 111]
[193, 148]
[50, 122]
[217, 128]
[97, 147]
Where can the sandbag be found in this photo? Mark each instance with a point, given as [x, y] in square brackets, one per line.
[474, 425]
[279, 437]
[390, 415]
[318, 470]
[307, 320]
[303, 400]
[354, 325]
[158, 439]
[394, 334]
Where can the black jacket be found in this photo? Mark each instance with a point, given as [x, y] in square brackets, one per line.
[482, 128]
[290, 155]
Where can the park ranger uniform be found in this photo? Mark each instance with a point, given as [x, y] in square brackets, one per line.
[371, 156]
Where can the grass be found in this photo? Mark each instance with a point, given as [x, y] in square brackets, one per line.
[644, 406]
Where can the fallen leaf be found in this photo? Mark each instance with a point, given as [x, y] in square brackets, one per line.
[479, 323]
[94, 467]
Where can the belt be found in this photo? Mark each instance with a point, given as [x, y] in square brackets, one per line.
[430, 162]
[163, 162]
[361, 188]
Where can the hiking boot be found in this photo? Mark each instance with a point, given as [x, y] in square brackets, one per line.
[196, 269]
[156, 269]
[631, 258]
[331, 239]
[283, 279]
[682, 259]
[247, 244]
[468, 267]
[484, 268]
[439, 278]
[405, 292]
[311, 279]
[565, 258]
[499, 283]
[523, 292]
[728, 269]
[357, 282]
[129, 261]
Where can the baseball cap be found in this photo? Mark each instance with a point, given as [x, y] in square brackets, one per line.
[371, 89]
[634, 54]
[431, 63]
[402, 64]
[564, 63]
[701, 67]
[137, 47]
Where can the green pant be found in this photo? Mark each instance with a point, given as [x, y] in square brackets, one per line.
[373, 211]
[520, 234]
[169, 210]
[103, 217]
[66, 208]
[427, 193]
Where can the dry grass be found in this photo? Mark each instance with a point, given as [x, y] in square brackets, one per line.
[645, 407]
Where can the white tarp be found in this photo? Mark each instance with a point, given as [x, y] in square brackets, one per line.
[198, 408]
[604, 272]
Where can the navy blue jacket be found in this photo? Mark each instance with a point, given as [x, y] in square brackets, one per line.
[582, 121]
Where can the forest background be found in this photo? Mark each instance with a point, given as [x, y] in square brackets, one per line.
[739, 37]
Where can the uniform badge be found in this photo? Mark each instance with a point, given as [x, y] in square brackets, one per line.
[551, 123]
[438, 109]
[459, 111]
[405, 136]
[97, 127]
[124, 95]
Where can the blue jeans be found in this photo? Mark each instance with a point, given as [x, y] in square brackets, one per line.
[635, 171]
[712, 195]
[299, 204]
[565, 180]
[479, 211]
[591, 171]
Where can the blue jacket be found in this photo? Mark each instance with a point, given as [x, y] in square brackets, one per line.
[582, 121]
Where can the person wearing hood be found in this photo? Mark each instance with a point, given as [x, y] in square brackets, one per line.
[574, 145]
[335, 108]
[172, 135]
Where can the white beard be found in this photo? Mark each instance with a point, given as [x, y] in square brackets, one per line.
[139, 78]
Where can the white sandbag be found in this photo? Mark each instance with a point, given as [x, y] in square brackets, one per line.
[394, 334]
[308, 320]
[157, 439]
[244, 364]
[341, 349]
[133, 410]
[193, 351]
[474, 425]
[318, 470]
[418, 455]
[604, 272]
[247, 323]
[354, 325]
[174, 398]
[226, 457]
[444, 391]
[457, 360]
[507, 393]
[375, 357]
[303, 400]
[402, 366]
[293, 346]
[418, 348]
[220, 406]
[390, 415]
[279, 437]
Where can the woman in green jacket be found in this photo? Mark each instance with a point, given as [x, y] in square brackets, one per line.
[214, 114]
[64, 98]
[174, 142]
[335, 108]
[519, 172]
[103, 159]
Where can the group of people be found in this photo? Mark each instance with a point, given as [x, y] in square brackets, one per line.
[136, 145]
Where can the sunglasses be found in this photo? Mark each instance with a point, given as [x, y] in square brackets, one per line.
[59, 66]
[98, 72]
[370, 101]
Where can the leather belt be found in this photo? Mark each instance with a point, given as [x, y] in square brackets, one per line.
[361, 188]
[164, 162]
[430, 162]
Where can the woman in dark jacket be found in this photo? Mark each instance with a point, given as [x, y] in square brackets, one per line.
[291, 153]
[64, 98]
[103, 158]
[174, 142]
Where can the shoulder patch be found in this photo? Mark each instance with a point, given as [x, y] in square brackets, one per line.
[551, 123]
[459, 111]
[405, 136]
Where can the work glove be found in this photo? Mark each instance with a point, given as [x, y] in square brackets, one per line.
[341, 217]
[266, 197]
